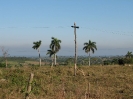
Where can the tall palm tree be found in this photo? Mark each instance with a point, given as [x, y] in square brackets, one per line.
[88, 47]
[36, 46]
[55, 46]
[129, 54]
[51, 53]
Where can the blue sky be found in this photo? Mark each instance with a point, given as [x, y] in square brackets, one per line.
[107, 22]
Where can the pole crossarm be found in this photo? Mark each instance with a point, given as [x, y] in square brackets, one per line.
[75, 26]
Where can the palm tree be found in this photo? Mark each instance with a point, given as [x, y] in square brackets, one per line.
[37, 47]
[51, 53]
[55, 46]
[129, 54]
[89, 46]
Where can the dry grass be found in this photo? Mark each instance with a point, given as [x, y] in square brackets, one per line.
[106, 82]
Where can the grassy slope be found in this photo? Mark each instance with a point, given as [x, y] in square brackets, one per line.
[106, 82]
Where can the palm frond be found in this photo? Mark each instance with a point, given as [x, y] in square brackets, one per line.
[89, 46]
[50, 53]
[55, 44]
[36, 44]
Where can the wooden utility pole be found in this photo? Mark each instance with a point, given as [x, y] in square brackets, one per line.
[75, 61]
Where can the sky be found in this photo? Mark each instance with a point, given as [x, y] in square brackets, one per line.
[109, 23]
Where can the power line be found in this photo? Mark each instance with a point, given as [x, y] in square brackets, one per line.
[124, 33]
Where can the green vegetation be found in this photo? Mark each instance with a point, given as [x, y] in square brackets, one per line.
[105, 82]
[104, 79]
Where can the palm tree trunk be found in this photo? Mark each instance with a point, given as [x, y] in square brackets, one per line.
[40, 62]
[52, 62]
[89, 58]
[55, 59]
[39, 58]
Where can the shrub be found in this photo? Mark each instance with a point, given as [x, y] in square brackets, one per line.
[2, 65]
[121, 61]
[106, 62]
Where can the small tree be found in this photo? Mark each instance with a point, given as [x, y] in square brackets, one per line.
[5, 54]
[37, 47]
[89, 46]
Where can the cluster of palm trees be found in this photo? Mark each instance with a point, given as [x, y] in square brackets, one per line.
[55, 47]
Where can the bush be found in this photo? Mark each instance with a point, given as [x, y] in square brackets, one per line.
[2, 65]
[124, 61]
[107, 62]
[121, 61]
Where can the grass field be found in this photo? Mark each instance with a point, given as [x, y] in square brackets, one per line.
[96, 82]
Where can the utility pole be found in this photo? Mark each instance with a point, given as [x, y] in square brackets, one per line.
[75, 61]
